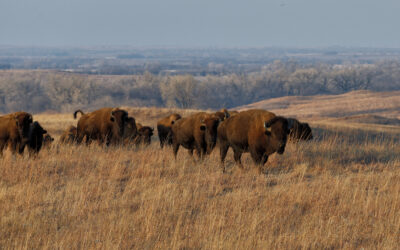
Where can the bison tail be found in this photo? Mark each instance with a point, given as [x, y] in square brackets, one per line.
[78, 111]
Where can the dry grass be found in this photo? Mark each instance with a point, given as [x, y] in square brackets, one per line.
[340, 191]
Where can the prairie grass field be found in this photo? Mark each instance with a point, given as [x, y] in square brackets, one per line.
[341, 190]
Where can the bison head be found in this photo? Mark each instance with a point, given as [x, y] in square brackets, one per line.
[36, 133]
[23, 121]
[306, 133]
[47, 139]
[145, 134]
[119, 117]
[222, 114]
[210, 125]
[174, 117]
[277, 130]
[130, 130]
[299, 130]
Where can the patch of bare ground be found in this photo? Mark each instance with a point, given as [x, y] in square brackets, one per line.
[340, 190]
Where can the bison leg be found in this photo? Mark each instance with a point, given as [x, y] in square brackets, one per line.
[264, 159]
[79, 138]
[199, 152]
[2, 146]
[223, 149]
[175, 149]
[256, 156]
[237, 155]
[21, 148]
[13, 146]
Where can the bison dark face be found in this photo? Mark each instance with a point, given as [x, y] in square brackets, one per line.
[277, 129]
[145, 134]
[23, 121]
[306, 133]
[119, 117]
[36, 133]
[130, 130]
[210, 125]
[300, 131]
[47, 140]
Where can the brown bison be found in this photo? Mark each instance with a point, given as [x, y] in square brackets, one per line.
[256, 131]
[14, 130]
[69, 135]
[164, 129]
[105, 125]
[198, 131]
[299, 131]
[36, 138]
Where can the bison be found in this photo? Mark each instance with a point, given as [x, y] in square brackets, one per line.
[198, 131]
[164, 129]
[105, 125]
[299, 131]
[139, 126]
[36, 138]
[256, 131]
[47, 140]
[144, 135]
[69, 135]
[14, 130]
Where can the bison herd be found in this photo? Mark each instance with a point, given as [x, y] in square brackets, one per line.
[259, 132]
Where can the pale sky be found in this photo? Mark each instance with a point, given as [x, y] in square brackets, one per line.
[201, 23]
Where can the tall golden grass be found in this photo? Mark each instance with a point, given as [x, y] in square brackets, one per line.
[342, 190]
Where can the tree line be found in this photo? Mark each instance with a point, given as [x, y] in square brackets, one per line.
[38, 91]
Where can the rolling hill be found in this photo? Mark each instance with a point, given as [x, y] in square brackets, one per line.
[357, 106]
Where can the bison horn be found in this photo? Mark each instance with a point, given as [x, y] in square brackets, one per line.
[16, 120]
[112, 117]
[267, 126]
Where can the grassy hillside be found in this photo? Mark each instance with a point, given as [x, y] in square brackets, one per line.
[339, 191]
[386, 104]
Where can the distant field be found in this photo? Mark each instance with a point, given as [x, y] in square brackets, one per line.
[340, 190]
